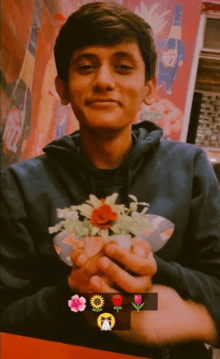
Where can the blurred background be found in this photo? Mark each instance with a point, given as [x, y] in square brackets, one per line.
[187, 104]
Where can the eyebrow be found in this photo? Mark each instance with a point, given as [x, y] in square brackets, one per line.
[119, 54]
[126, 54]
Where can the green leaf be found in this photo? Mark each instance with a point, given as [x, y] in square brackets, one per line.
[51, 230]
[135, 214]
[144, 210]
[96, 309]
[61, 213]
[58, 226]
[94, 231]
[115, 228]
[104, 233]
[140, 306]
[120, 208]
[73, 208]
[133, 206]
[134, 305]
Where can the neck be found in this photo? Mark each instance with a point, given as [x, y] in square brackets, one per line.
[106, 150]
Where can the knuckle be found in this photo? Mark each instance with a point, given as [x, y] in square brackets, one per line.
[140, 268]
[152, 264]
[148, 282]
[110, 242]
[121, 255]
[147, 248]
[75, 254]
[87, 271]
[113, 269]
[144, 284]
[134, 286]
[139, 285]
[139, 251]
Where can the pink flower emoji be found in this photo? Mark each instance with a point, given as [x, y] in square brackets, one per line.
[137, 299]
[137, 302]
[77, 304]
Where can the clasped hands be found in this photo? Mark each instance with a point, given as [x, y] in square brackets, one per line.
[105, 272]
[114, 269]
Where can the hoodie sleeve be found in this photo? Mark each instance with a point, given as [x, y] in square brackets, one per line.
[26, 308]
[197, 275]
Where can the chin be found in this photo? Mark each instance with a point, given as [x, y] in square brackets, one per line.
[109, 123]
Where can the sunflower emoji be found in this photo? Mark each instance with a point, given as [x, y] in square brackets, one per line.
[97, 302]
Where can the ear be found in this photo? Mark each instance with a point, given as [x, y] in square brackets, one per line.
[62, 90]
[151, 89]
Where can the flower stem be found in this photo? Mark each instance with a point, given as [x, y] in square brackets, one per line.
[117, 308]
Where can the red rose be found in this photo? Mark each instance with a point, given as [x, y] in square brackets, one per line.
[103, 216]
[117, 299]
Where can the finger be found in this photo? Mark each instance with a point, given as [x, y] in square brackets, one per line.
[97, 284]
[107, 280]
[134, 263]
[91, 266]
[139, 251]
[141, 243]
[123, 279]
[79, 257]
[81, 276]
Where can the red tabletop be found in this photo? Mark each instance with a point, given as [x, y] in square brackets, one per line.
[19, 347]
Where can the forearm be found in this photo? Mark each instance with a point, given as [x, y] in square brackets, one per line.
[176, 320]
[193, 286]
[202, 325]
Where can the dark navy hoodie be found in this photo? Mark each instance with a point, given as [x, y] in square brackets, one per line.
[177, 181]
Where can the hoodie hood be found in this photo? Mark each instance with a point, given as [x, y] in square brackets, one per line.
[146, 137]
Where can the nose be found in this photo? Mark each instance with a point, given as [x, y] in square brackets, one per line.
[104, 79]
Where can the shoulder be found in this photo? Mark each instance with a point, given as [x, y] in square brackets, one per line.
[25, 171]
[190, 158]
[173, 150]
[27, 166]
[181, 147]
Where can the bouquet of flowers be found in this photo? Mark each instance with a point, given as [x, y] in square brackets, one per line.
[103, 217]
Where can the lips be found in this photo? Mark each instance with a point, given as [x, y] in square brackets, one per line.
[102, 101]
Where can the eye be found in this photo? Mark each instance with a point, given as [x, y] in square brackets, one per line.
[124, 68]
[86, 68]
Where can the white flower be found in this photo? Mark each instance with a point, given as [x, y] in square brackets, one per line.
[126, 221]
[61, 213]
[51, 230]
[133, 197]
[72, 215]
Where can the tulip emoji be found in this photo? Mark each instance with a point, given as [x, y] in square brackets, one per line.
[137, 302]
[117, 300]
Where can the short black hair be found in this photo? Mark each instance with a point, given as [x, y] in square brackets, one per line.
[106, 24]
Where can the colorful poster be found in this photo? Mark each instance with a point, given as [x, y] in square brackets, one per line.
[175, 26]
[31, 112]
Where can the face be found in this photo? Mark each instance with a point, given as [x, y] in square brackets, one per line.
[106, 85]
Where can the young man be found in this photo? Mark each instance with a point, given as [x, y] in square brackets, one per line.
[106, 59]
